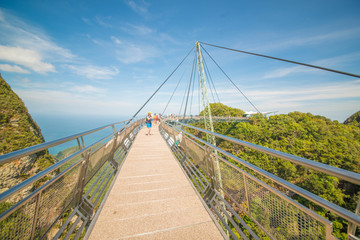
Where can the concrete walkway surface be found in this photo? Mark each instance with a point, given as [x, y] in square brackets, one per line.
[152, 198]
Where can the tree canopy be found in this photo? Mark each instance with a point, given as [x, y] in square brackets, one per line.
[302, 134]
[221, 110]
[353, 119]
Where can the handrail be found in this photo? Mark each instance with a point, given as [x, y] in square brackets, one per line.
[9, 157]
[205, 157]
[334, 171]
[346, 214]
[66, 190]
[5, 195]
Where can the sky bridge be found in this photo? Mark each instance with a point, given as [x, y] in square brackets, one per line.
[174, 184]
[170, 185]
[152, 198]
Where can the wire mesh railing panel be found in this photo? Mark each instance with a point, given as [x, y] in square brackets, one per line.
[19, 224]
[95, 163]
[196, 153]
[119, 139]
[280, 218]
[39, 206]
[55, 198]
[233, 185]
[109, 146]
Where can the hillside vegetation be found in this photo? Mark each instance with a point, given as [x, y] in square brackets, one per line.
[353, 119]
[221, 110]
[302, 134]
[17, 131]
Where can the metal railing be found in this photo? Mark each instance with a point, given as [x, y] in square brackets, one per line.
[196, 118]
[72, 189]
[249, 206]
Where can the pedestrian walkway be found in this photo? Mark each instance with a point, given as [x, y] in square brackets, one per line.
[152, 198]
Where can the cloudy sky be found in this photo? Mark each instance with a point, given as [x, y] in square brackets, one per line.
[107, 57]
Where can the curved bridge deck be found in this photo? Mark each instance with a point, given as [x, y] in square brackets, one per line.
[152, 198]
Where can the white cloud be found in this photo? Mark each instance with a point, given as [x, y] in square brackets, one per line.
[87, 21]
[140, 7]
[131, 53]
[87, 89]
[137, 29]
[1, 16]
[25, 57]
[311, 39]
[334, 100]
[95, 72]
[333, 91]
[61, 102]
[26, 45]
[103, 21]
[12, 68]
[115, 40]
[282, 72]
[326, 63]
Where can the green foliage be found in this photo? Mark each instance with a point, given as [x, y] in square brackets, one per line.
[221, 110]
[302, 134]
[353, 120]
[18, 129]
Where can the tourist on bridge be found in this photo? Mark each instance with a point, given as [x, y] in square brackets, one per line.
[148, 122]
[156, 116]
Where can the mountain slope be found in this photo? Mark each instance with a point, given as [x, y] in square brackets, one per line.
[17, 131]
[353, 119]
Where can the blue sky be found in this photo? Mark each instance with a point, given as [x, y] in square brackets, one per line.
[107, 57]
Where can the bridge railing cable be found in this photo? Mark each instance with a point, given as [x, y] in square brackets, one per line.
[285, 60]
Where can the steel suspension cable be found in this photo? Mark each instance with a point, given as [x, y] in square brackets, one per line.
[208, 82]
[160, 86]
[285, 60]
[174, 91]
[230, 80]
[211, 80]
[182, 102]
[188, 93]
[192, 92]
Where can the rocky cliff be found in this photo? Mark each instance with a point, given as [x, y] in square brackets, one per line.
[17, 131]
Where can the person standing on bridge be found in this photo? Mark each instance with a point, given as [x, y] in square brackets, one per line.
[148, 122]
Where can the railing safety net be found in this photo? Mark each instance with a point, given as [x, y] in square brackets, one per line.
[60, 201]
[246, 206]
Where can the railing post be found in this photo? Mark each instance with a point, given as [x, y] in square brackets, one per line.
[38, 198]
[247, 194]
[125, 137]
[78, 199]
[209, 162]
[112, 161]
[352, 227]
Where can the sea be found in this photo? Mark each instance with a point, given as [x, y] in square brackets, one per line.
[54, 127]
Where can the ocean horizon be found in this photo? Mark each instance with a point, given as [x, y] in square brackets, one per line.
[54, 127]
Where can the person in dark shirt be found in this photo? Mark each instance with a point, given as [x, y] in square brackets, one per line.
[148, 123]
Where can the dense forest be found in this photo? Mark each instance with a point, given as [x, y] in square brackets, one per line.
[302, 134]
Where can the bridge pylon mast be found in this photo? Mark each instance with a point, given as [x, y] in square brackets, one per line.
[207, 113]
[204, 96]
